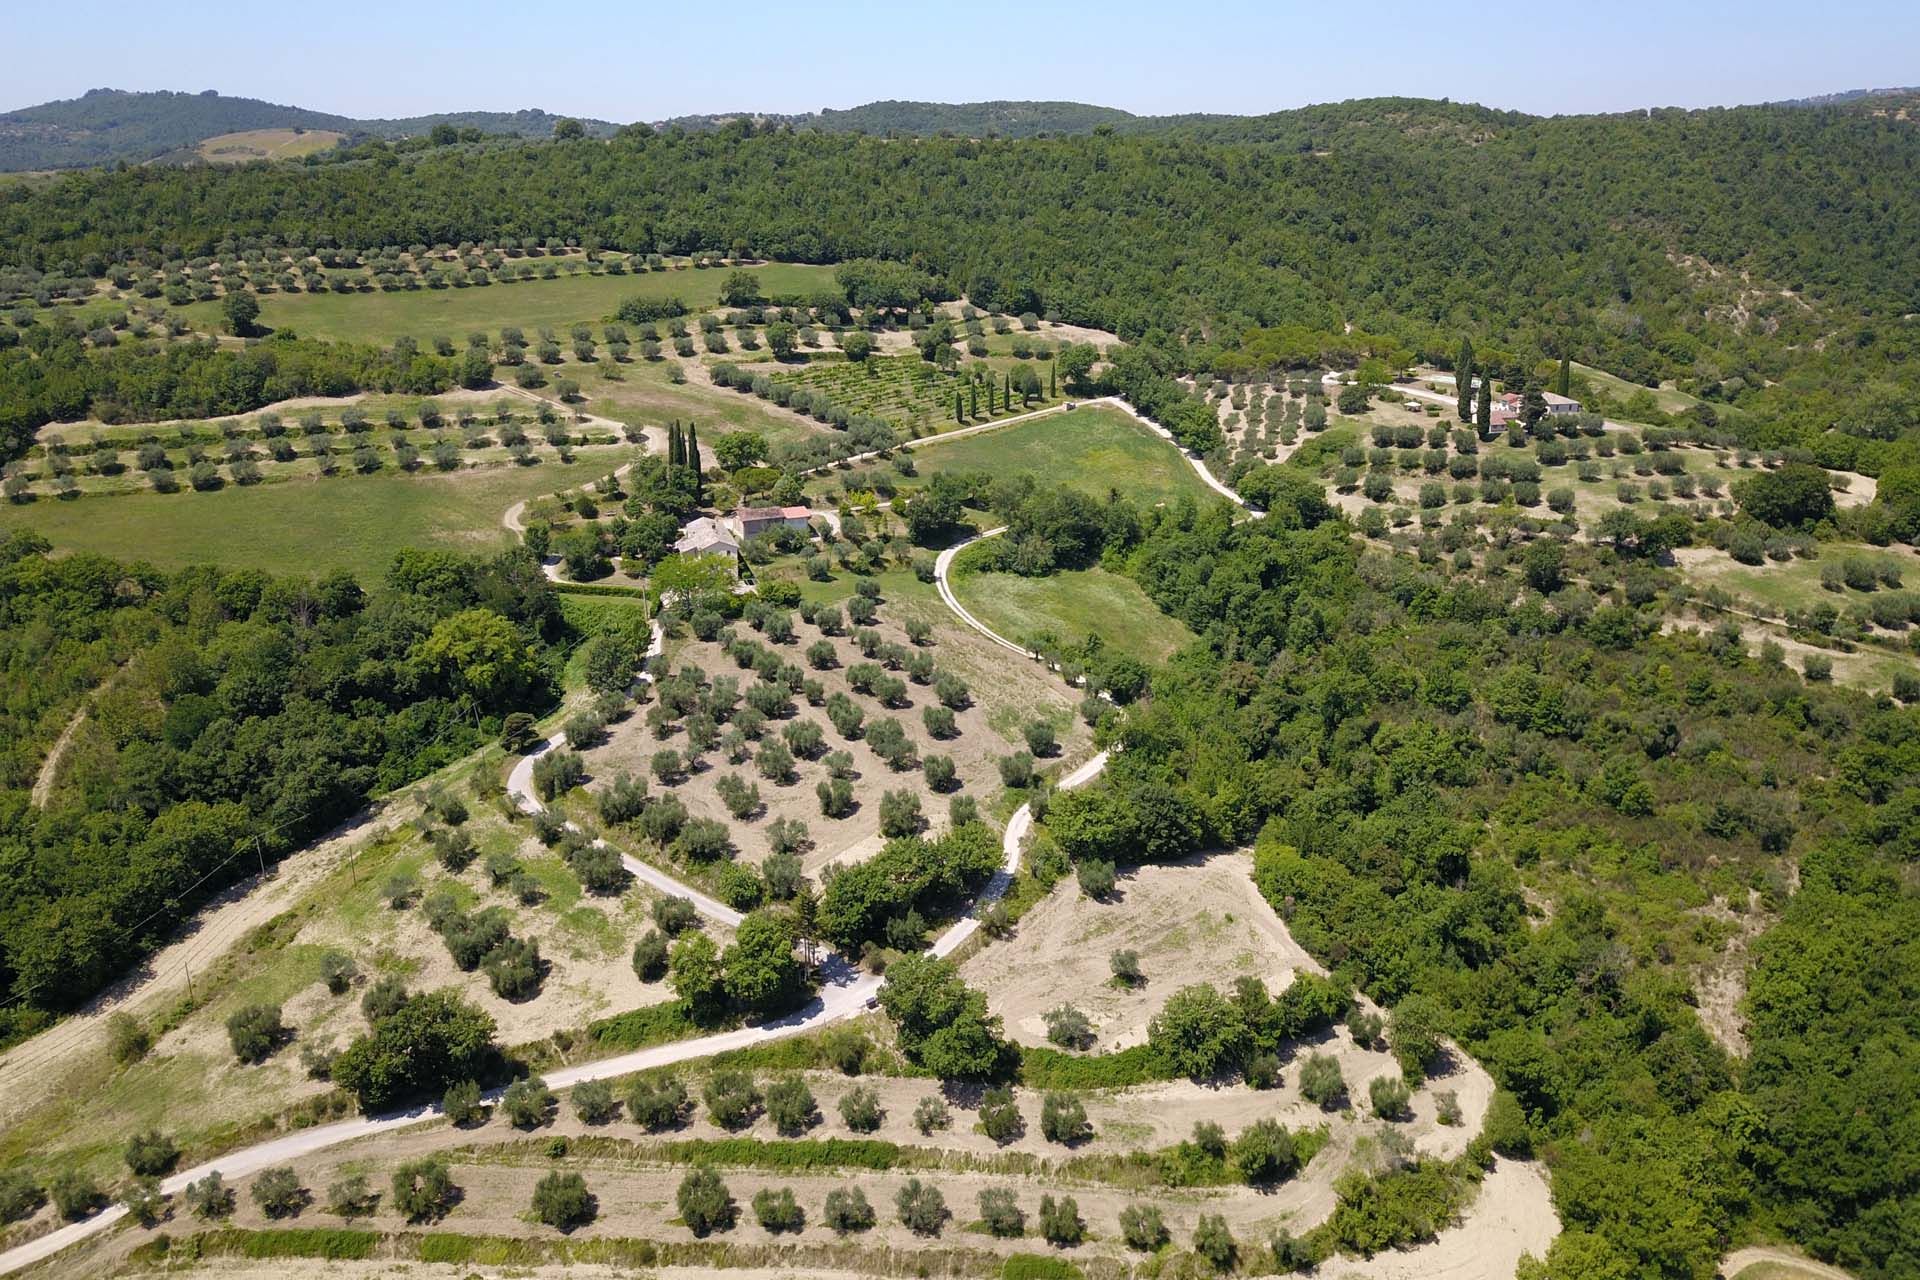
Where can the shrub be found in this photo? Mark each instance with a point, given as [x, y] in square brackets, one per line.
[210, 1197]
[1097, 878]
[1069, 1028]
[922, 1209]
[255, 1032]
[1142, 1227]
[675, 915]
[1126, 968]
[1321, 1081]
[655, 1105]
[20, 1196]
[561, 1200]
[461, 1103]
[528, 1103]
[848, 1209]
[1265, 1153]
[705, 1204]
[1000, 1117]
[594, 1103]
[151, 1153]
[337, 971]
[778, 1211]
[930, 1113]
[278, 1192]
[650, 956]
[74, 1194]
[1000, 1212]
[860, 1109]
[1214, 1242]
[1063, 1119]
[732, 1099]
[791, 1106]
[1060, 1222]
[128, 1041]
[1389, 1097]
[351, 1197]
[899, 814]
[1016, 770]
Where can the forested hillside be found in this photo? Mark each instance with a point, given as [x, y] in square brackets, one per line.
[239, 717]
[105, 125]
[1417, 758]
[1766, 257]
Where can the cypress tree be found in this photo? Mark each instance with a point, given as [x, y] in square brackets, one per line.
[1564, 383]
[1463, 379]
[1053, 379]
[673, 443]
[1483, 411]
[693, 460]
[973, 399]
[959, 414]
[1006, 394]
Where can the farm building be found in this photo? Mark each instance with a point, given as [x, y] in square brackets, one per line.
[751, 520]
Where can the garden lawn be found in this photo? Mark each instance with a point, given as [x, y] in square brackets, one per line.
[1072, 604]
[454, 313]
[300, 527]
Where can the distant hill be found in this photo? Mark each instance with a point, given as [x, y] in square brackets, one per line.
[105, 125]
[1848, 96]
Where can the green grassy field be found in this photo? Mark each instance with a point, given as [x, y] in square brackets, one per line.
[1072, 605]
[1096, 450]
[301, 527]
[453, 313]
[1669, 399]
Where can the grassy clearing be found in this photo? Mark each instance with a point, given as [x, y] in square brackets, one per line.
[425, 313]
[301, 527]
[1666, 397]
[267, 144]
[1073, 605]
[1097, 450]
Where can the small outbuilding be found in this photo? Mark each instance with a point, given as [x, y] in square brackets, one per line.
[749, 521]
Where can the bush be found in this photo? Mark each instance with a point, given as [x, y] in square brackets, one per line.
[1818, 667]
[705, 1204]
[1142, 1227]
[151, 1153]
[278, 1192]
[594, 1103]
[675, 915]
[1126, 968]
[791, 1106]
[1265, 1153]
[1321, 1081]
[351, 1197]
[1389, 1097]
[732, 1099]
[209, 1197]
[462, 1105]
[1063, 1119]
[922, 1209]
[561, 1200]
[1068, 1027]
[1040, 738]
[848, 1209]
[1097, 878]
[1000, 1117]
[1060, 1222]
[860, 1109]
[337, 971]
[1214, 1242]
[20, 1196]
[778, 1211]
[650, 956]
[74, 1194]
[1000, 1212]
[527, 1104]
[655, 1105]
[128, 1041]
[930, 1113]
[899, 814]
[255, 1032]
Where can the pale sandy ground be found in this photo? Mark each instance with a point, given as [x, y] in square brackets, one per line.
[1720, 986]
[1789, 1262]
[1197, 920]
[1860, 668]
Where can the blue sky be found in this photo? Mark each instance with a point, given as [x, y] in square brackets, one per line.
[627, 61]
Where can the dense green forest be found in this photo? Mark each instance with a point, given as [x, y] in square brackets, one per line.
[1416, 757]
[238, 716]
[1764, 257]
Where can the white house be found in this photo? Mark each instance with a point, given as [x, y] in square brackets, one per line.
[707, 537]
